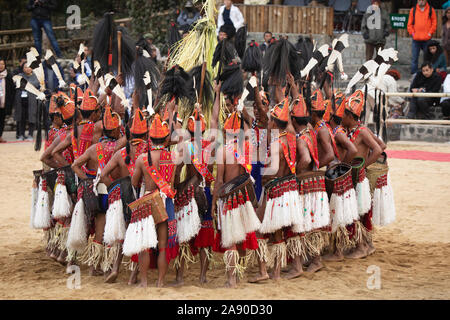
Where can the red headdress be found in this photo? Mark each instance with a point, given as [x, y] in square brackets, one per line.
[356, 102]
[317, 101]
[68, 110]
[328, 110]
[139, 125]
[158, 129]
[196, 116]
[233, 123]
[299, 109]
[111, 120]
[90, 101]
[281, 110]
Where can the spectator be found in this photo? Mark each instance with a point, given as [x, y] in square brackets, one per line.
[187, 16]
[427, 80]
[421, 26]
[445, 102]
[229, 14]
[375, 34]
[26, 105]
[7, 90]
[156, 54]
[41, 10]
[436, 56]
[265, 45]
[446, 34]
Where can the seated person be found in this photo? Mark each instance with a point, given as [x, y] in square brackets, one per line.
[435, 54]
[426, 80]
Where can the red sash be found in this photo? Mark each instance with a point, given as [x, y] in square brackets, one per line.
[140, 148]
[312, 145]
[86, 136]
[352, 135]
[68, 152]
[290, 151]
[162, 184]
[333, 141]
[200, 165]
[51, 137]
[244, 161]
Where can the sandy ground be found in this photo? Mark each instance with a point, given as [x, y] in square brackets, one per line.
[413, 253]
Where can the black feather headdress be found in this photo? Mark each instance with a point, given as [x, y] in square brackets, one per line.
[224, 52]
[232, 82]
[240, 41]
[174, 35]
[252, 60]
[176, 84]
[105, 46]
[280, 60]
[142, 65]
[305, 47]
[195, 75]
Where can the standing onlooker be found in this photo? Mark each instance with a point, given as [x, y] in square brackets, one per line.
[231, 15]
[41, 10]
[427, 80]
[446, 35]
[187, 16]
[7, 90]
[156, 55]
[421, 26]
[375, 34]
[436, 56]
[26, 105]
[265, 45]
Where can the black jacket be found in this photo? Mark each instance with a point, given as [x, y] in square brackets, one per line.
[10, 92]
[431, 84]
[42, 9]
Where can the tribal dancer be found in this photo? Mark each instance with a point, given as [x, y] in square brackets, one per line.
[158, 172]
[343, 204]
[368, 152]
[61, 209]
[120, 192]
[281, 198]
[306, 240]
[193, 201]
[234, 199]
[94, 160]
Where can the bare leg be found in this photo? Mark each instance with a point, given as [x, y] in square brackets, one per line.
[180, 273]
[336, 255]
[133, 277]
[62, 257]
[100, 221]
[316, 264]
[204, 263]
[231, 272]
[359, 252]
[162, 233]
[55, 254]
[277, 263]
[370, 247]
[111, 278]
[263, 275]
[144, 263]
[296, 270]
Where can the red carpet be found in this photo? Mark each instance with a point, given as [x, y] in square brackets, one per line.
[419, 155]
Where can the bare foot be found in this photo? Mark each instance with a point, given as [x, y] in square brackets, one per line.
[370, 249]
[314, 266]
[176, 283]
[287, 269]
[203, 280]
[95, 273]
[293, 274]
[358, 253]
[230, 285]
[133, 277]
[62, 259]
[337, 256]
[143, 284]
[111, 278]
[159, 284]
[259, 278]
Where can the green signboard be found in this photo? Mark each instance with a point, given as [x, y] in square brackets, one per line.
[399, 21]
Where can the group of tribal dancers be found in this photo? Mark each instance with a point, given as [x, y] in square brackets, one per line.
[285, 183]
[292, 219]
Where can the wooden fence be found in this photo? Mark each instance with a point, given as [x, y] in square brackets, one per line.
[288, 19]
[437, 34]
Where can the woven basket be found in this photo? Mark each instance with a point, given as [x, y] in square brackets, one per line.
[374, 171]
